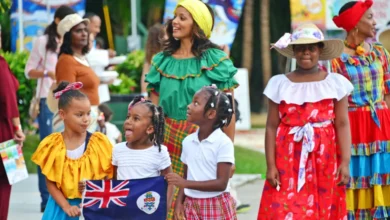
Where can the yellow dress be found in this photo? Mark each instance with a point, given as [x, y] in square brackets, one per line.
[95, 164]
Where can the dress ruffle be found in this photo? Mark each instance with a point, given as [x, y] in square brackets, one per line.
[94, 164]
[280, 88]
[213, 62]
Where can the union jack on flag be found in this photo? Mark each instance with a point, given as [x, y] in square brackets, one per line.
[138, 199]
[105, 194]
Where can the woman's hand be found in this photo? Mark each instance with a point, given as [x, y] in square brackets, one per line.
[343, 174]
[179, 211]
[72, 211]
[273, 176]
[19, 137]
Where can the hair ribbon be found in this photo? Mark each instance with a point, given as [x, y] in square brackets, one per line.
[72, 86]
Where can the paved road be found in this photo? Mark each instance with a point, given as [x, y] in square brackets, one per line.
[25, 199]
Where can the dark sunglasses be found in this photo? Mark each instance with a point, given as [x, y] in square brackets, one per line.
[304, 47]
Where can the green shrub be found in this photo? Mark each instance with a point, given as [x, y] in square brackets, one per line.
[132, 69]
[17, 61]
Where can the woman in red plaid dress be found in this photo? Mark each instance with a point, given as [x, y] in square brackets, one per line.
[208, 156]
[188, 62]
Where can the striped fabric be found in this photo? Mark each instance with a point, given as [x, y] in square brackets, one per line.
[175, 132]
[370, 76]
[221, 207]
[368, 193]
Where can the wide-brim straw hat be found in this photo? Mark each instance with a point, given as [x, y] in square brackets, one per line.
[66, 24]
[383, 36]
[309, 34]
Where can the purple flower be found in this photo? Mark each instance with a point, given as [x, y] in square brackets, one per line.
[317, 35]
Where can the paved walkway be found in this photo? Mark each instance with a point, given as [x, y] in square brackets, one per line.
[252, 139]
[25, 198]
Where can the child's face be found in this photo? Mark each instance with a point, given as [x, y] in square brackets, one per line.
[138, 124]
[77, 115]
[195, 110]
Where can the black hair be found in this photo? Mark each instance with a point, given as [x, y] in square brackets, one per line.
[222, 103]
[106, 111]
[200, 42]
[66, 46]
[66, 97]
[347, 6]
[158, 120]
[90, 15]
[237, 111]
[51, 30]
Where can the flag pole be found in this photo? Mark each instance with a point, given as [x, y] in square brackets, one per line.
[108, 25]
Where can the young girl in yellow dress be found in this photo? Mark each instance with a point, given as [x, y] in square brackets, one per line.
[72, 156]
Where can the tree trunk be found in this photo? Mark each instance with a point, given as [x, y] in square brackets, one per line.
[247, 44]
[265, 40]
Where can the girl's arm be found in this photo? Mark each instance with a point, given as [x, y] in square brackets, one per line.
[179, 204]
[343, 134]
[273, 122]
[72, 211]
[219, 184]
[171, 188]
[154, 98]
[231, 129]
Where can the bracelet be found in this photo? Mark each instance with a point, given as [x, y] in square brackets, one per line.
[45, 73]
[18, 127]
[145, 94]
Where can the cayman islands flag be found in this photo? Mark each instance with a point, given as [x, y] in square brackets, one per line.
[140, 199]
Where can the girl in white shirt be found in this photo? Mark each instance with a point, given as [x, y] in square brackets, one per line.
[208, 156]
[142, 155]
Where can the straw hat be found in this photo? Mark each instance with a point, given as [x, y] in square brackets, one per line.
[308, 34]
[383, 36]
[69, 22]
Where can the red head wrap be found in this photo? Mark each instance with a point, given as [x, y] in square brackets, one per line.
[349, 18]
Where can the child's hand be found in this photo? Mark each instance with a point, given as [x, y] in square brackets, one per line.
[273, 176]
[343, 174]
[175, 179]
[179, 211]
[81, 186]
[72, 211]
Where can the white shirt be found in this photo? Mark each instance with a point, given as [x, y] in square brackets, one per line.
[139, 164]
[76, 153]
[203, 157]
[98, 60]
[112, 132]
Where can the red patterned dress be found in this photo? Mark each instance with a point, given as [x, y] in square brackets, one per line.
[307, 156]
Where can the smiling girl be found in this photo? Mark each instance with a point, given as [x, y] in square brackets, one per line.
[307, 138]
[188, 62]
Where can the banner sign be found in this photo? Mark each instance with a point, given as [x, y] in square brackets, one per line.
[37, 14]
[303, 11]
[227, 16]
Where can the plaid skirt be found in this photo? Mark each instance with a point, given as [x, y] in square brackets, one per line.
[175, 132]
[221, 207]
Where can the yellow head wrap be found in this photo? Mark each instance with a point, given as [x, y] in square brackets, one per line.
[200, 13]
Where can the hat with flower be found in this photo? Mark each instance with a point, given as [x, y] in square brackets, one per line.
[308, 34]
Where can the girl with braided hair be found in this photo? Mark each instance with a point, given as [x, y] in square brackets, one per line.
[208, 156]
[142, 155]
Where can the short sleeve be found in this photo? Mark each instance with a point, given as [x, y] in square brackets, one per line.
[165, 159]
[115, 154]
[220, 69]
[153, 77]
[65, 70]
[344, 86]
[183, 156]
[226, 152]
[272, 88]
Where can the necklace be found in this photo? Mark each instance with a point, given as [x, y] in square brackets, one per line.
[359, 49]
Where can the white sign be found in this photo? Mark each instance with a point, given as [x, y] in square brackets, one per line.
[241, 94]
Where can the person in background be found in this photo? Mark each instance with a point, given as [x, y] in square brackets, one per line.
[41, 65]
[154, 45]
[367, 66]
[107, 128]
[10, 127]
[72, 65]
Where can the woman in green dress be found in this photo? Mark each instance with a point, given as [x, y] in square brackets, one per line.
[188, 62]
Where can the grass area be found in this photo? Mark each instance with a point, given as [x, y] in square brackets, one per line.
[247, 161]
[29, 147]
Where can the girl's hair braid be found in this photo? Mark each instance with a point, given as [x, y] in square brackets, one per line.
[158, 120]
[222, 103]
